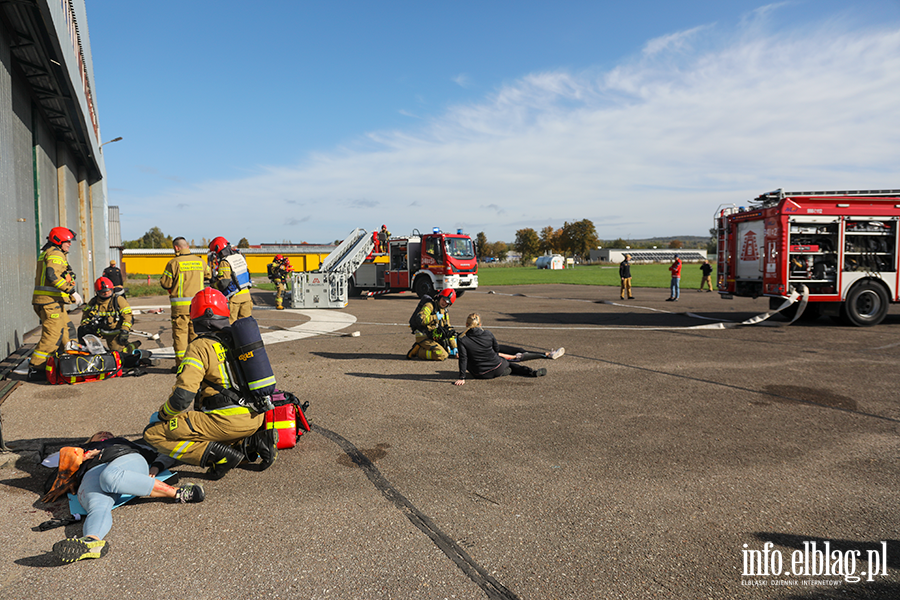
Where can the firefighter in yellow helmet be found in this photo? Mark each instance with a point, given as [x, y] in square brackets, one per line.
[279, 270]
[183, 278]
[435, 338]
[231, 277]
[54, 286]
[222, 430]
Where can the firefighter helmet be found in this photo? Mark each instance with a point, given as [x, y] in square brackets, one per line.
[103, 284]
[58, 235]
[449, 294]
[279, 258]
[209, 304]
[218, 244]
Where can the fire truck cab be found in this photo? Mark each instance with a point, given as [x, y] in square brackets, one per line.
[840, 247]
[424, 264]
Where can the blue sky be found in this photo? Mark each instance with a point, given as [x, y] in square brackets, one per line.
[297, 120]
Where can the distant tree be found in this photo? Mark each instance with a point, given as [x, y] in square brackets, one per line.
[154, 238]
[243, 243]
[500, 250]
[481, 245]
[578, 238]
[617, 243]
[676, 244]
[550, 239]
[528, 244]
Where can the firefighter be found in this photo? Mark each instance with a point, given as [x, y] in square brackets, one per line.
[222, 430]
[54, 286]
[183, 278]
[278, 273]
[231, 277]
[435, 338]
[107, 315]
[383, 236]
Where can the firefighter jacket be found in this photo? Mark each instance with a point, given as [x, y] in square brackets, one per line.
[104, 315]
[183, 278]
[232, 276]
[54, 279]
[434, 327]
[278, 272]
[203, 369]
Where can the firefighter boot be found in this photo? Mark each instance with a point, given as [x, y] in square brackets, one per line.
[221, 458]
[37, 373]
[262, 444]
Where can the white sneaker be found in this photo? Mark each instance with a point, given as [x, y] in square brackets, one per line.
[557, 353]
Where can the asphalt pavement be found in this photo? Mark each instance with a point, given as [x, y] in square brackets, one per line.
[656, 459]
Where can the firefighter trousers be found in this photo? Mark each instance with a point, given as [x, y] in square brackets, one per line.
[240, 305]
[182, 334]
[427, 349]
[186, 437]
[54, 331]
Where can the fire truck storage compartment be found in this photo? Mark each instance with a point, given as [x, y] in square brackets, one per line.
[812, 253]
[870, 244]
[750, 235]
[370, 275]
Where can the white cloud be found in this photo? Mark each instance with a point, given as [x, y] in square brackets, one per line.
[650, 147]
[462, 80]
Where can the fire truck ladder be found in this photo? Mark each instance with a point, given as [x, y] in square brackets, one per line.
[349, 255]
[722, 241]
[773, 198]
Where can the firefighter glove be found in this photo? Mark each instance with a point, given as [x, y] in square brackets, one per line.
[77, 300]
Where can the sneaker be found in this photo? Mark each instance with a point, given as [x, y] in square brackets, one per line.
[557, 353]
[670, 299]
[74, 549]
[539, 372]
[190, 492]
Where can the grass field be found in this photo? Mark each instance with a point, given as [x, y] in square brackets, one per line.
[652, 275]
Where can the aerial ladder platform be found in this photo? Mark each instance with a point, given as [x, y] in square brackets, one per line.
[327, 287]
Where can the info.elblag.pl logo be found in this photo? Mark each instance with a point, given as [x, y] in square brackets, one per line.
[814, 564]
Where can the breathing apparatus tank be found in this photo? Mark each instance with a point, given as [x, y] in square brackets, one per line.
[253, 362]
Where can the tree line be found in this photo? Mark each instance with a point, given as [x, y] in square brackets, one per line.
[155, 238]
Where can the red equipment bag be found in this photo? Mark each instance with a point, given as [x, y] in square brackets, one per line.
[288, 418]
[67, 367]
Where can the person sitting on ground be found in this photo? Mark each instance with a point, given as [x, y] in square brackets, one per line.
[478, 355]
[101, 470]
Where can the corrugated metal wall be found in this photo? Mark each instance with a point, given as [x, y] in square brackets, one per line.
[42, 185]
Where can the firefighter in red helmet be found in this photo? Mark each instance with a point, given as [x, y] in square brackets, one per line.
[54, 287]
[107, 315]
[383, 237]
[435, 338]
[279, 270]
[231, 276]
[221, 431]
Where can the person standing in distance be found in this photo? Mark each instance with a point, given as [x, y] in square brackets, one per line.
[706, 269]
[675, 287]
[183, 278]
[625, 276]
[54, 286]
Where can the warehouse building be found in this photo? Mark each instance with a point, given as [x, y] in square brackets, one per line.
[51, 165]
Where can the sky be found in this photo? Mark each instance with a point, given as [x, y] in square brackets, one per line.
[294, 120]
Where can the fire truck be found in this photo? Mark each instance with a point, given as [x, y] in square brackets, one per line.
[837, 248]
[423, 263]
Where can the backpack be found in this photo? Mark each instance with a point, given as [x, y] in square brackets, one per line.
[415, 323]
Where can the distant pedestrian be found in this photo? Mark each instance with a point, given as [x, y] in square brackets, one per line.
[113, 273]
[625, 276]
[706, 269]
[675, 287]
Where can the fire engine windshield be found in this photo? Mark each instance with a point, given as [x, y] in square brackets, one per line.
[460, 247]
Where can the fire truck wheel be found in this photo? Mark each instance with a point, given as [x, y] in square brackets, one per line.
[352, 290]
[866, 305]
[423, 286]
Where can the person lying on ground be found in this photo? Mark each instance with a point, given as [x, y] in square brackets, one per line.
[102, 470]
[478, 355]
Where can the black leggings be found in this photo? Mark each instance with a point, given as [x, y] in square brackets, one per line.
[506, 368]
[526, 355]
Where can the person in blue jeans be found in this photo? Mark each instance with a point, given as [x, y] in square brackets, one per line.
[109, 467]
[675, 288]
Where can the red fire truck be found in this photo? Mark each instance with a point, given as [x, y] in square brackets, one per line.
[840, 247]
[425, 264]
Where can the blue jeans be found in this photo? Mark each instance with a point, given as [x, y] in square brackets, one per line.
[102, 486]
[675, 288]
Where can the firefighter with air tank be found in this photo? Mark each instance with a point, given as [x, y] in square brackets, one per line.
[435, 338]
[108, 315]
[231, 276]
[54, 286]
[223, 429]
[278, 271]
[183, 278]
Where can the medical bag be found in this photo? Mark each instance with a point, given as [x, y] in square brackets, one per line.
[81, 367]
[287, 418]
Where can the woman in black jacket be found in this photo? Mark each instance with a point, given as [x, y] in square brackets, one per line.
[479, 355]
